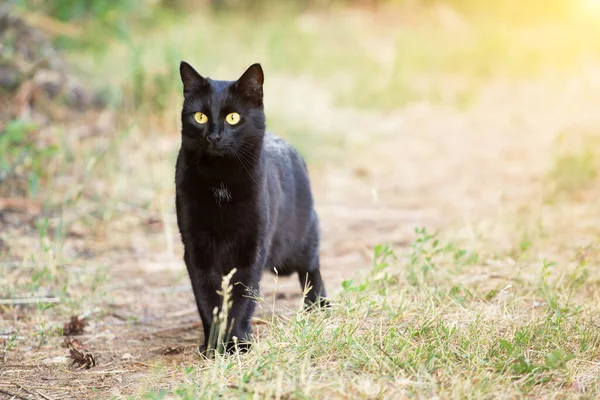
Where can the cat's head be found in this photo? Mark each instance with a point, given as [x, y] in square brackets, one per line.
[222, 118]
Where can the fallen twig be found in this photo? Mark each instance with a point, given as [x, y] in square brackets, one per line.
[43, 395]
[32, 300]
[13, 395]
[62, 388]
[111, 372]
[32, 393]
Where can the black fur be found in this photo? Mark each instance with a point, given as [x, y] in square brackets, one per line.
[243, 202]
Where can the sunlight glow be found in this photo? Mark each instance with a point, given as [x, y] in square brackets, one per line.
[591, 6]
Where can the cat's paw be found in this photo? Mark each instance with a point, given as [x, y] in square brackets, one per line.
[230, 348]
[242, 347]
[324, 303]
[205, 352]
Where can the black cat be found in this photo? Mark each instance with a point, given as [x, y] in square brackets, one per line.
[243, 201]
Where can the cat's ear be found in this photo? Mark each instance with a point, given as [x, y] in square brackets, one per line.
[191, 79]
[250, 84]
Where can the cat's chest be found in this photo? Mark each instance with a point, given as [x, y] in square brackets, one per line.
[218, 223]
[217, 204]
[221, 194]
[214, 194]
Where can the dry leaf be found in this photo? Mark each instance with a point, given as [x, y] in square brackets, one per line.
[82, 360]
[74, 327]
[72, 343]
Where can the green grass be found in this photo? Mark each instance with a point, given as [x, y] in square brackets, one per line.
[389, 336]
[576, 164]
[574, 171]
[22, 163]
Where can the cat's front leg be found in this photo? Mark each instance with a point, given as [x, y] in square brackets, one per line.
[241, 303]
[205, 288]
[244, 293]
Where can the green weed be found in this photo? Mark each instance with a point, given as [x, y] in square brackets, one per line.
[23, 164]
[382, 331]
[572, 172]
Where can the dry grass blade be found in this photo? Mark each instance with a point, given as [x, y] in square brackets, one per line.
[32, 392]
[36, 300]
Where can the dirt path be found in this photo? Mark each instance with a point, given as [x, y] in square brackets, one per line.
[426, 165]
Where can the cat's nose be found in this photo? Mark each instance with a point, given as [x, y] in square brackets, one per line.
[213, 139]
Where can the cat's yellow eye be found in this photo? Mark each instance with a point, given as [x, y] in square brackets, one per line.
[200, 118]
[232, 118]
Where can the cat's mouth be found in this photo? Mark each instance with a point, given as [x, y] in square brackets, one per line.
[215, 150]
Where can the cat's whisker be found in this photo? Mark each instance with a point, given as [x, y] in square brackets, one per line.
[243, 163]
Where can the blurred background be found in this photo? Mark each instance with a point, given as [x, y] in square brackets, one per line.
[409, 113]
[416, 111]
